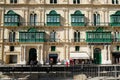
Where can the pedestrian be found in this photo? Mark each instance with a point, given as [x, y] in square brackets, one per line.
[31, 62]
[66, 63]
[51, 63]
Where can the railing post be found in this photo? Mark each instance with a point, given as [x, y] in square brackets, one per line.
[115, 71]
[98, 71]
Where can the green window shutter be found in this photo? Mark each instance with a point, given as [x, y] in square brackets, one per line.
[53, 48]
[117, 48]
[11, 1]
[77, 48]
[78, 1]
[10, 36]
[11, 48]
[13, 36]
[94, 19]
[116, 1]
[55, 1]
[112, 1]
[15, 1]
[75, 36]
[74, 1]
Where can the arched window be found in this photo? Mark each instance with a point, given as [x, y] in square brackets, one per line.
[11, 19]
[115, 19]
[12, 36]
[96, 19]
[33, 19]
[53, 19]
[77, 36]
[77, 19]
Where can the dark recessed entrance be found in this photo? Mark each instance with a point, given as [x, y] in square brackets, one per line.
[97, 56]
[54, 57]
[116, 57]
[32, 55]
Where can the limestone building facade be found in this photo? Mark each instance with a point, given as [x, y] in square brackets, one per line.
[60, 29]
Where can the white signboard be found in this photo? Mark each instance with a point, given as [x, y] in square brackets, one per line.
[79, 55]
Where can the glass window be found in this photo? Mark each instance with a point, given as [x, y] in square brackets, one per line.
[11, 36]
[53, 48]
[96, 19]
[76, 36]
[76, 1]
[117, 47]
[33, 19]
[53, 19]
[114, 1]
[53, 36]
[77, 48]
[53, 1]
[13, 1]
[11, 19]
[77, 19]
[6, 19]
[11, 48]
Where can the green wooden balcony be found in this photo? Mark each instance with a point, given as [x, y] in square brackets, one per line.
[11, 19]
[98, 40]
[31, 40]
[115, 24]
[11, 23]
[99, 36]
[53, 23]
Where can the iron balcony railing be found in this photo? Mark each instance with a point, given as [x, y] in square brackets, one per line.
[45, 24]
[116, 39]
[77, 40]
[63, 40]
[36, 40]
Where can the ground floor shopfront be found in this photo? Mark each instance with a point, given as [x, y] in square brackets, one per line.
[96, 54]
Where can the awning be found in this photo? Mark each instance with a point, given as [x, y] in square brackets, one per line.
[79, 55]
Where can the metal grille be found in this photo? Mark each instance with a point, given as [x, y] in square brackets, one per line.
[62, 72]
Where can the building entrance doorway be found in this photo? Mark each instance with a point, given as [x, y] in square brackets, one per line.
[32, 56]
[11, 59]
[116, 57]
[97, 56]
[54, 57]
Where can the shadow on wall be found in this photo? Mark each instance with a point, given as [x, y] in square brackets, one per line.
[62, 20]
[87, 21]
[1, 62]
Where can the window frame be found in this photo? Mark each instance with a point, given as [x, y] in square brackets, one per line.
[76, 36]
[13, 1]
[53, 1]
[76, 1]
[77, 48]
[53, 48]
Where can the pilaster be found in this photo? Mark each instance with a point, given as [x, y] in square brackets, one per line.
[41, 54]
